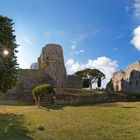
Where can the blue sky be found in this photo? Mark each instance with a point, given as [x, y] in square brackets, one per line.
[101, 34]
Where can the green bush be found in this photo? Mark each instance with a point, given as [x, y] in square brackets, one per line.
[41, 90]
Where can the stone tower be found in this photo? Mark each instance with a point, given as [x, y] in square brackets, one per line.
[51, 62]
[49, 69]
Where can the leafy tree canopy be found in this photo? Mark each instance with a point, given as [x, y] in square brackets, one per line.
[93, 75]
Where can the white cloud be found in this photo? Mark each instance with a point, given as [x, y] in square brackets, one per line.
[47, 33]
[77, 52]
[136, 38]
[127, 8]
[72, 66]
[83, 34]
[80, 37]
[55, 33]
[73, 47]
[25, 40]
[137, 9]
[115, 49]
[104, 64]
[28, 41]
[81, 51]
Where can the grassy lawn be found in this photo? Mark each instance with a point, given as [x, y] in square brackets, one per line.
[112, 121]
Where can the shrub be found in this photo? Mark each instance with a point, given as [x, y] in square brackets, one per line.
[41, 90]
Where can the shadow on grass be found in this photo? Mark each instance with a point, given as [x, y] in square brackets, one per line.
[12, 128]
[129, 107]
[101, 104]
[61, 106]
[15, 102]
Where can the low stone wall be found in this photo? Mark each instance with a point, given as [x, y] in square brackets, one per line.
[90, 99]
[77, 97]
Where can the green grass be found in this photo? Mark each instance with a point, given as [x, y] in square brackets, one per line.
[112, 121]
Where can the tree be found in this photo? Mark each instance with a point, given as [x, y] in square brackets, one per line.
[99, 82]
[8, 59]
[86, 83]
[40, 91]
[91, 76]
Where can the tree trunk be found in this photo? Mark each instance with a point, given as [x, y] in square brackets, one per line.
[90, 84]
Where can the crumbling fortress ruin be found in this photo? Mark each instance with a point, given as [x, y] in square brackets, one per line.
[51, 62]
[50, 69]
[128, 81]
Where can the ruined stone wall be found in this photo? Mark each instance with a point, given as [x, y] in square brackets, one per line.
[135, 66]
[128, 81]
[117, 80]
[133, 72]
[51, 69]
[28, 79]
[74, 82]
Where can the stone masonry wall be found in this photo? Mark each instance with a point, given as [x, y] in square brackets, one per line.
[128, 81]
[51, 69]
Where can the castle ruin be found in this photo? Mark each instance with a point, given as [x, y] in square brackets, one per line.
[128, 81]
[50, 69]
